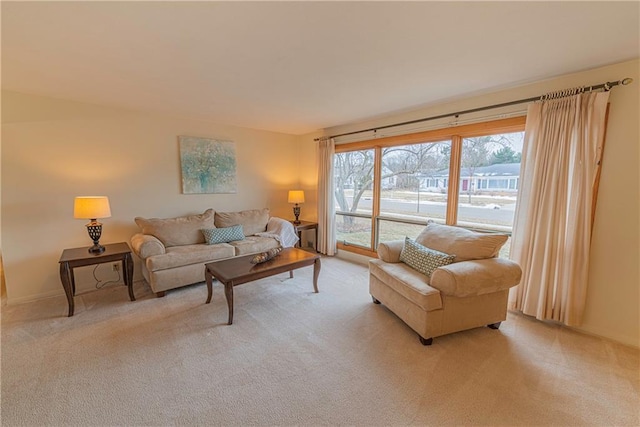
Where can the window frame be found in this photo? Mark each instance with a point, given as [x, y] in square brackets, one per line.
[453, 134]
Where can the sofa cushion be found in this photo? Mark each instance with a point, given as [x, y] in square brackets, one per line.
[184, 230]
[408, 282]
[223, 234]
[465, 244]
[252, 221]
[178, 256]
[254, 244]
[423, 259]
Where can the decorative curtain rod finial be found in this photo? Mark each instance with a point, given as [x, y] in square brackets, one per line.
[627, 81]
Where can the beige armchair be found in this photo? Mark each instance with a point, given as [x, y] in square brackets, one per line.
[469, 292]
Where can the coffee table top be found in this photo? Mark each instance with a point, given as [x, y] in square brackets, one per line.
[240, 270]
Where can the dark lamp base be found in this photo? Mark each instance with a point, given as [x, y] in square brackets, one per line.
[95, 231]
[296, 213]
[96, 249]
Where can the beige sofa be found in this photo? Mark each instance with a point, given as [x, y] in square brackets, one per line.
[470, 292]
[173, 251]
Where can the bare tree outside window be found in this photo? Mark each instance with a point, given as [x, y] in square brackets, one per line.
[414, 186]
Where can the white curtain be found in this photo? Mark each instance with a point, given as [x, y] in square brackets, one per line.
[552, 227]
[326, 205]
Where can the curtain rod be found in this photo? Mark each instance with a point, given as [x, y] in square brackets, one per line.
[606, 86]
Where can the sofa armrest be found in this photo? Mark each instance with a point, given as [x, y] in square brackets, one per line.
[476, 277]
[146, 245]
[390, 251]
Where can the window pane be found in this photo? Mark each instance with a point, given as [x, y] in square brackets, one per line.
[354, 181]
[489, 180]
[392, 230]
[354, 231]
[414, 180]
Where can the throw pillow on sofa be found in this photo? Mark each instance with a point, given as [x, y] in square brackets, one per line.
[223, 235]
[423, 259]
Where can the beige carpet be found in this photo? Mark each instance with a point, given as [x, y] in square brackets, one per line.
[293, 357]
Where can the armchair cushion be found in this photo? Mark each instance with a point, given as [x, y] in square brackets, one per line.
[390, 251]
[423, 259]
[476, 277]
[411, 284]
[465, 244]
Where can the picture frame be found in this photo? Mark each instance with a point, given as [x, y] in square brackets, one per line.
[208, 166]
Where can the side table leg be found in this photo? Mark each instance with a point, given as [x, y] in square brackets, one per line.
[127, 270]
[228, 292]
[209, 278]
[65, 278]
[315, 242]
[316, 273]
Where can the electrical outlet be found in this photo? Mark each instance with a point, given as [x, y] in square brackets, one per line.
[115, 267]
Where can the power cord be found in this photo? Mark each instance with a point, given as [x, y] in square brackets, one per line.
[99, 284]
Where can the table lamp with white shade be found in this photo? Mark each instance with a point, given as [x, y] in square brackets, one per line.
[92, 208]
[297, 197]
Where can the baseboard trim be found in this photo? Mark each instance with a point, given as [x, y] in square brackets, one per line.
[31, 298]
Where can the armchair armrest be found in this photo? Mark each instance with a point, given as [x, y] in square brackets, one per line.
[146, 245]
[390, 251]
[476, 277]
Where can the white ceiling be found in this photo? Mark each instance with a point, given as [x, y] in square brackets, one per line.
[297, 67]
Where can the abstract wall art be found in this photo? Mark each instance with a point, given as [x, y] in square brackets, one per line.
[208, 165]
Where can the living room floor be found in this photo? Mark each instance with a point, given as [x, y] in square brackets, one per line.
[293, 357]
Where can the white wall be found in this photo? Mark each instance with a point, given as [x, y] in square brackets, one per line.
[613, 291]
[54, 150]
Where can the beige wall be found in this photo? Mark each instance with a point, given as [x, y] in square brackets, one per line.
[613, 291]
[54, 150]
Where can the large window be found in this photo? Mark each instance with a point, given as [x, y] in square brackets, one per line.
[390, 187]
[353, 195]
[489, 175]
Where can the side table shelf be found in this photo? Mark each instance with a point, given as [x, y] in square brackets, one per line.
[306, 225]
[80, 257]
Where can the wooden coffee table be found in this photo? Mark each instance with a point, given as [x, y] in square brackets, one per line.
[236, 271]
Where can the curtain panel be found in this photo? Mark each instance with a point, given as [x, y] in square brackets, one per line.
[326, 204]
[553, 218]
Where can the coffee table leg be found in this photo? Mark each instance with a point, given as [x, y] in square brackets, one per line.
[228, 292]
[316, 273]
[209, 279]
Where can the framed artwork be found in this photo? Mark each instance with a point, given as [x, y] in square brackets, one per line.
[207, 165]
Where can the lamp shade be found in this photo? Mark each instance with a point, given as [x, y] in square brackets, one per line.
[296, 196]
[91, 207]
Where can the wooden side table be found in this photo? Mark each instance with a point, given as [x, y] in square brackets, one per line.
[306, 225]
[80, 257]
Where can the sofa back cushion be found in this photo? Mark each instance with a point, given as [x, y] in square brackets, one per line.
[252, 221]
[179, 231]
[465, 244]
